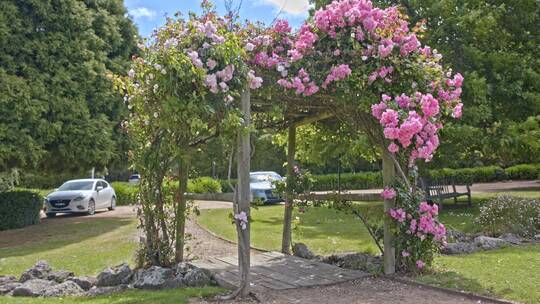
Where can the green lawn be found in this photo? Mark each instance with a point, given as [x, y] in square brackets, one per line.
[512, 273]
[82, 245]
[174, 296]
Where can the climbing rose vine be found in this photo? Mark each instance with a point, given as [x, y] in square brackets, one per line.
[366, 56]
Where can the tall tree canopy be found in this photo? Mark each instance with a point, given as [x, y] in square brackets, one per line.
[58, 110]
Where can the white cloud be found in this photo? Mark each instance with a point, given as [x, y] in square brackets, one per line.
[142, 12]
[295, 7]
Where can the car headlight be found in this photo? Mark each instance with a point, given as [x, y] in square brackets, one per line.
[79, 198]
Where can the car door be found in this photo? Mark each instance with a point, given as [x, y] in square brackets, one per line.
[108, 194]
[101, 196]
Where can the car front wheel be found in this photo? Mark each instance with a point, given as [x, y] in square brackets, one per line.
[91, 207]
[113, 204]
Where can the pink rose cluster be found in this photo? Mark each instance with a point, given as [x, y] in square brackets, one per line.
[388, 193]
[423, 224]
[413, 121]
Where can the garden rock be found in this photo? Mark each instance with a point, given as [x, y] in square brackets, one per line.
[7, 279]
[33, 288]
[114, 276]
[60, 276]
[356, 261]
[198, 277]
[511, 238]
[84, 282]
[8, 287]
[39, 271]
[302, 251]
[459, 248]
[489, 243]
[456, 236]
[154, 277]
[98, 291]
[68, 288]
[183, 268]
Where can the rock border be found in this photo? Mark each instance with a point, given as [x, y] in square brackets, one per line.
[42, 281]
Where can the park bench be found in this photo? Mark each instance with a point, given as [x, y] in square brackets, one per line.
[438, 190]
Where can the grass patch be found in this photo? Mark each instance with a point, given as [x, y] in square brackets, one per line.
[172, 296]
[324, 230]
[79, 244]
[511, 273]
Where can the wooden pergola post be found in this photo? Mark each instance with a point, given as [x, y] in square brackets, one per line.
[243, 193]
[289, 199]
[389, 175]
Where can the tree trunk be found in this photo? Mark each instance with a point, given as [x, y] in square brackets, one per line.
[389, 174]
[289, 199]
[183, 171]
[243, 195]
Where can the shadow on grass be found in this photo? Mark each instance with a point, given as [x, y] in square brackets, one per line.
[55, 233]
[453, 280]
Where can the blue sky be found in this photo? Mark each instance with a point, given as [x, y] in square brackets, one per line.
[150, 14]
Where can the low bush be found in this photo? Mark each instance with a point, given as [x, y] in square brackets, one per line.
[43, 180]
[523, 172]
[126, 194]
[508, 214]
[19, 209]
[363, 180]
[204, 185]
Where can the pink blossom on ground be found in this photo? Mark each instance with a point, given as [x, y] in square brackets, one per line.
[420, 264]
[405, 253]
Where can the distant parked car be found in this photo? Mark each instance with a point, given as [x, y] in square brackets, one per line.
[134, 179]
[262, 186]
[80, 196]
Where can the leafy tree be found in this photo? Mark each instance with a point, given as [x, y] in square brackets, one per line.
[58, 109]
[495, 45]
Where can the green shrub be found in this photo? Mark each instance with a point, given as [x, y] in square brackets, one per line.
[204, 185]
[19, 209]
[44, 180]
[508, 214]
[470, 175]
[363, 180]
[525, 171]
[126, 194]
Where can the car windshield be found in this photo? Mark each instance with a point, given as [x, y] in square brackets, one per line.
[80, 185]
[257, 178]
[134, 176]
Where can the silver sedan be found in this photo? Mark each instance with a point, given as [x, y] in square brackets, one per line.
[80, 196]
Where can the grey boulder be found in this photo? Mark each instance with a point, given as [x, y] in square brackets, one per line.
[7, 279]
[84, 282]
[489, 243]
[68, 288]
[459, 248]
[198, 277]
[183, 267]
[8, 287]
[302, 251]
[511, 238]
[113, 276]
[60, 276]
[39, 271]
[154, 277]
[33, 288]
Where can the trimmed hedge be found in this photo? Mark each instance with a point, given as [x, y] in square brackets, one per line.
[19, 209]
[204, 185]
[370, 180]
[126, 194]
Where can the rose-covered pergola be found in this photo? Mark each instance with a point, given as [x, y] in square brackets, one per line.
[203, 76]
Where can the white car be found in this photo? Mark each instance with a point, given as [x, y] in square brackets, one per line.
[80, 196]
[262, 186]
[134, 179]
